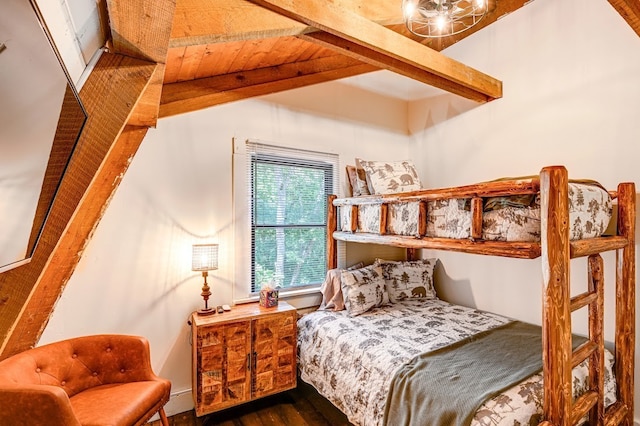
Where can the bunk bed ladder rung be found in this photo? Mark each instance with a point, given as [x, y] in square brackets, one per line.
[583, 404]
[583, 352]
[583, 300]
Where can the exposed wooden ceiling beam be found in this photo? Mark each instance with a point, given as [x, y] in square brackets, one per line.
[146, 37]
[192, 95]
[199, 22]
[395, 52]
[630, 11]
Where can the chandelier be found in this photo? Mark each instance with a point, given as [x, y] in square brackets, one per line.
[440, 18]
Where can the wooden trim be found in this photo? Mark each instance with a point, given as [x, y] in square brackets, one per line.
[488, 248]
[332, 225]
[353, 225]
[412, 254]
[476, 218]
[626, 299]
[556, 316]
[383, 219]
[192, 95]
[484, 189]
[380, 46]
[422, 219]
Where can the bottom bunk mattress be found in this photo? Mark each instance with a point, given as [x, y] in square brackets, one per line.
[355, 361]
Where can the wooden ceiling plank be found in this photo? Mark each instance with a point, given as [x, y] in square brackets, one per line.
[174, 61]
[382, 45]
[110, 95]
[630, 11]
[211, 58]
[178, 98]
[190, 62]
[290, 49]
[264, 53]
[221, 21]
[311, 51]
[146, 37]
[239, 62]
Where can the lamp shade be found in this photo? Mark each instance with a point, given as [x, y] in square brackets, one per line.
[204, 257]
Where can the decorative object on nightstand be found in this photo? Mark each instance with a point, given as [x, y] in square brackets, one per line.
[245, 354]
[205, 258]
[269, 295]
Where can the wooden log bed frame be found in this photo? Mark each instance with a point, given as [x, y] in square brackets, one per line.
[556, 251]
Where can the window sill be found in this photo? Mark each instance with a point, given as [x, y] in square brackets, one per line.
[284, 295]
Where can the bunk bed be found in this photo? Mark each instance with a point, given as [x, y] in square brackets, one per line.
[555, 247]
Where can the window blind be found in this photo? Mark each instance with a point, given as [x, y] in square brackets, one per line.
[288, 208]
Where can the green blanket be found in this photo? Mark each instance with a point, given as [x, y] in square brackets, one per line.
[447, 386]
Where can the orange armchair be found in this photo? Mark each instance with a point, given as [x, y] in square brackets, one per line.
[92, 380]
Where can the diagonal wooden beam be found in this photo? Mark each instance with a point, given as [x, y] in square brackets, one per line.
[630, 11]
[192, 95]
[200, 22]
[381, 46]
[146, 37]
[28, 293]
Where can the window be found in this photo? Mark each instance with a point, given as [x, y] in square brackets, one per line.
[288, 191]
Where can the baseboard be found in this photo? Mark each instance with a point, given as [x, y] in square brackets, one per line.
[179, 402]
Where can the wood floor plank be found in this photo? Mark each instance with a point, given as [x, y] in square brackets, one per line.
[302, 406]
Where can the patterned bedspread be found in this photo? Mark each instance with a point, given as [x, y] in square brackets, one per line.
[351, 360]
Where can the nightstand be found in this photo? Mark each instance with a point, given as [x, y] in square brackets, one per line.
[241, 355]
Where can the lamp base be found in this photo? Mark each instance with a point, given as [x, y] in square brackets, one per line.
[206, 311]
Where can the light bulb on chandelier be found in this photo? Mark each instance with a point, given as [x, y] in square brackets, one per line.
[440, 18]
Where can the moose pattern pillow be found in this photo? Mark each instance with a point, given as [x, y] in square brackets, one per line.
[388, 177]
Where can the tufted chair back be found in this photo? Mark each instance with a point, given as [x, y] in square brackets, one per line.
[83, 363]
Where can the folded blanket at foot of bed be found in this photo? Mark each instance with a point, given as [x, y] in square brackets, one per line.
[447, 386]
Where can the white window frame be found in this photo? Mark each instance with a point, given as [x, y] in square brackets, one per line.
[242, 225]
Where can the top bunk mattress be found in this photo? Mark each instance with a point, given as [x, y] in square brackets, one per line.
[503, 219]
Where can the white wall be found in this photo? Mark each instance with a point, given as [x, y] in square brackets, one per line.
[135, 276]
[571, 96]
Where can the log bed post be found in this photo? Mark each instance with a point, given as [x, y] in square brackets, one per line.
[332, 225]
[556, 315]
[626, 299]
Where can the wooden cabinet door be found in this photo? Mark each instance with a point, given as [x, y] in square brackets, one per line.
[223, 377]
[274, 353]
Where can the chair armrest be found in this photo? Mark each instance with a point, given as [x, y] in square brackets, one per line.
[35, 405]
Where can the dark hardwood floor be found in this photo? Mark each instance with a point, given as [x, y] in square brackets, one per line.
[302, 406]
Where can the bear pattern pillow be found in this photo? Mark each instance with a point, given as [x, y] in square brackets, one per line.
[409, 279]
[388, 177]
[363, 289]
